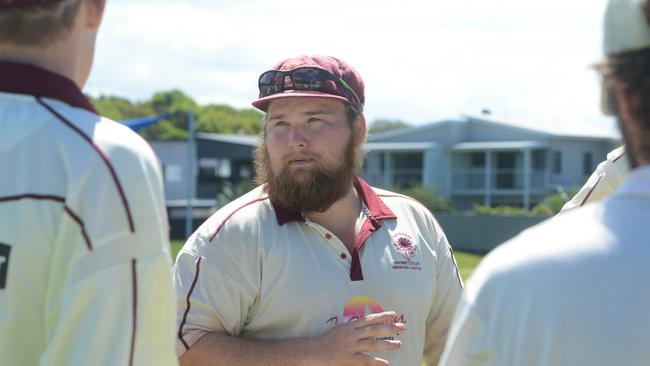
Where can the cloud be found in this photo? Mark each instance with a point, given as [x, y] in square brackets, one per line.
[421, 60]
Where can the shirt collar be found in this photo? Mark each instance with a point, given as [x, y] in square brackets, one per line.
[27, 79]
[378, 209]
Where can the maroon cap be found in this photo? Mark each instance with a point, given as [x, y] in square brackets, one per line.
[335, 66]
[7, 4]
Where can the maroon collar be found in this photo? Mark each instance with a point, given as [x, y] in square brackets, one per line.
[31, 80]
[378, 210]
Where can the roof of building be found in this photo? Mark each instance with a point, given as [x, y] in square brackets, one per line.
[249, 140]
[500, 145]
[398, 146]
[565, 130]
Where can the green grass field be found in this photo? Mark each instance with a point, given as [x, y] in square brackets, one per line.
[176, 247]
[466, 261]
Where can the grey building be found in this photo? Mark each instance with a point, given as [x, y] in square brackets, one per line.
[218, 158]
[480, 160]
[470, 159]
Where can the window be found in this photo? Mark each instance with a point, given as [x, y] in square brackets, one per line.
[214, 168]
[557, 162]
[506, 170]
[477, 159]
[539, 159]
[173, 173]
[587, 163]
[245, 172]
[408, 169]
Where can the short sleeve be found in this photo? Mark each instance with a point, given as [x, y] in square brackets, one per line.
[214, 292]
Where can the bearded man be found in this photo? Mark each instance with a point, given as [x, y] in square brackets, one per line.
[315, 267]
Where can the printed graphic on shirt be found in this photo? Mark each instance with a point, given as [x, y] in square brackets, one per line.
[4, 264]
[357, 308]
[405, 245]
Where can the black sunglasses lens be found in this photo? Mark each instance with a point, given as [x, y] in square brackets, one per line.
[271, 82]
[311, 79]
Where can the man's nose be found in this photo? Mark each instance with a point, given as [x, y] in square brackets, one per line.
[297, 138]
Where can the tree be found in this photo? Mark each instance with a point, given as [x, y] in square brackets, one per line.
[117, 108]
[383, 125]
[225, 119]
[216, 118]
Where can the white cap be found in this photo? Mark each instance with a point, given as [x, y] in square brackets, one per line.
[626, 27]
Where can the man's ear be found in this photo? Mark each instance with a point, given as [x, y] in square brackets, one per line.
[94, 12]
[628, 101]
[361, 129]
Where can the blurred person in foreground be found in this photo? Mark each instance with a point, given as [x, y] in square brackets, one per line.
[85, 272]
[315, 267]
[572, 291]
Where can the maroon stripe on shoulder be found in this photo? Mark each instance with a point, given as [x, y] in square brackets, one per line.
[234, 212]
[58, 199]
[101, 153]
[134, 281]
[34, 196]
[187, 304]
[591, 191]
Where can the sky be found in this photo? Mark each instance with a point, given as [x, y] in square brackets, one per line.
[528, 62]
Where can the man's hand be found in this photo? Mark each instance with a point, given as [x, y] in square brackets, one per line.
[347, 344]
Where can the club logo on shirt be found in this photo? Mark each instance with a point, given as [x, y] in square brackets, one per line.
[404, 244]
[357, 308]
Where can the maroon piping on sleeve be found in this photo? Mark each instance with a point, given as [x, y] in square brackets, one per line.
[187, 304]
[134, 281]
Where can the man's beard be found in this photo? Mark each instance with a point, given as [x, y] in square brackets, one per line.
[317, 187]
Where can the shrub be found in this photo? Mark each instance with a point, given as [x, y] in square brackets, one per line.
[428, 198]
[500, 210]
[230, 192]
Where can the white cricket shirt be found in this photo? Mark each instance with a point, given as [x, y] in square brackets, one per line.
[84, 260]
[268, 274]
[571, 291]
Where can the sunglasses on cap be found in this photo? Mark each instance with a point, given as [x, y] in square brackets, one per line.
[304, 78]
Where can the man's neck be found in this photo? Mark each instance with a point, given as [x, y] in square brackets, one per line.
[63, 58]
[341, 217]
